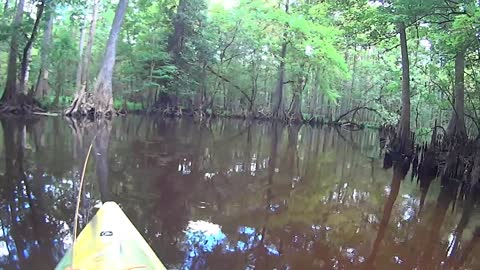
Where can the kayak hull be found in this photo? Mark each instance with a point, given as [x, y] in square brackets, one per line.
[110, 241]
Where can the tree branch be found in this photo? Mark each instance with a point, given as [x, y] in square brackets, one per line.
[224, 51]
[229, 81]
[355, 110]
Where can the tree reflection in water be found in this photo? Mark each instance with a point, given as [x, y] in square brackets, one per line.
[35, 230]
[229, 194]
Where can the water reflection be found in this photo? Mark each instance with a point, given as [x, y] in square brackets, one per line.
[399, 172]
[230, 193]
[33, 202]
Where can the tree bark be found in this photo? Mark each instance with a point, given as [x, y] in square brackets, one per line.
[25, 71]
[81, 105]
[27, 51]
[9, 95]
[88, 51]
[314, 95]
[456, 127]
[295, 113]
[404, 125]
[81, 49]
[103, 85]
[42, 86]
[176, 41]
[277, 98]
[254, 89]
[354, 70]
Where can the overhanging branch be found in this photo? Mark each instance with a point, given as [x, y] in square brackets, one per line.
[230, 82]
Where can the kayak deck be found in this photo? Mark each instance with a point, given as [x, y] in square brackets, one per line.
[110, 241]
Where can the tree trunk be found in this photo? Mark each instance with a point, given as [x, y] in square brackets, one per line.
[176, 41]
[456, 127]
[81, 105]
[277, 98]
[295, 113]
[254, 90]
[87, 56]
[404, 125]
[58, 87]
[5, 6]
[25, 71]
[314, 95]
[200, 99]
[354, 71]
[27, 51]
[9, 95]
[224, 90]
[103, 85]
[81, 49]
[42, 86]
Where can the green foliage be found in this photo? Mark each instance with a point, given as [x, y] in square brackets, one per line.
[119, 104]
[339, 55]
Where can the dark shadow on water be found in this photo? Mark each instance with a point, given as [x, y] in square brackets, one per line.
[102, 143]
[400, 169]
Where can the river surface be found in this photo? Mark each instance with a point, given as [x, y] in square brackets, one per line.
[227, 194]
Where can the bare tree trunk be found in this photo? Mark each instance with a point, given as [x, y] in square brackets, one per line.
[404, 125]
[81, 50]
[42, 86]
[295, 113]
[87, 56]
[103, 85]
[27, 51]
[456, 127]
[254, 90]
[58, 87]
[277, 98]
[354, 71]
[5, 6]
[25, 72]
[9, 95]
[79, 105]
[200, 98]
[314, 95]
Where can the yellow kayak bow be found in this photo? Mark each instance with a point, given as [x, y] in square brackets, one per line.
[110, 241]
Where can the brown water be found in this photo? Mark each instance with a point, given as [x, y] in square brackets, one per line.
[228, 195]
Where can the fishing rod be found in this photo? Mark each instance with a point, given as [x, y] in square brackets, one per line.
[82, 178]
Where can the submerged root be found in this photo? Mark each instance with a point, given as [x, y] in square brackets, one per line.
[21, 105]
[84, 105]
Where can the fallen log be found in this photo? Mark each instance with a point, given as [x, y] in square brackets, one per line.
[355, 110]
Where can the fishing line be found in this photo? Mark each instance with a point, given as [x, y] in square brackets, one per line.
[82, 178]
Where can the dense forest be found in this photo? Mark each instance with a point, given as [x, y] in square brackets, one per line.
[400, 62]
[294, 60]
